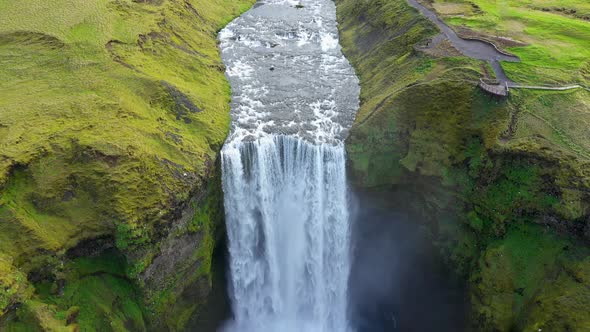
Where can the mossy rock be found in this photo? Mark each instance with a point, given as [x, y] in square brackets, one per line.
[111, 119]
[503, 184]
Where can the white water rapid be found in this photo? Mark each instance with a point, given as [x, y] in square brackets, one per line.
[294, 97]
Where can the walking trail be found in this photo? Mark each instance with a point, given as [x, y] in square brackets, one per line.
[486, 51]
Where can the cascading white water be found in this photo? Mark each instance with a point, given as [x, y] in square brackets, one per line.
[294, 96]
[288, 229]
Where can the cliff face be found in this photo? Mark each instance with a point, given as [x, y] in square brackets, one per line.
[111, 118]
[504, 184]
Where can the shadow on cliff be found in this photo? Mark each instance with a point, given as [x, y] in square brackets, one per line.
[218, 308]
[398, 281]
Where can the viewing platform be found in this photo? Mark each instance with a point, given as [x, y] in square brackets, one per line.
[494, 87]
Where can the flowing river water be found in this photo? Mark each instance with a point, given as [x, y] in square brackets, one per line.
[294, 97]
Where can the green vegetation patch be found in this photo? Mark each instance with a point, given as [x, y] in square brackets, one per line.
[531, 279]
[111, 117]
[550, 37]
[503, 183]
[94, 294]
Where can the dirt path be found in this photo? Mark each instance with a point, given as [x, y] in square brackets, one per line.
[475, 49]
[554, 88]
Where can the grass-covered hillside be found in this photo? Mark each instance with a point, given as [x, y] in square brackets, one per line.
[112, 113]
[504, 183]
[550, 36]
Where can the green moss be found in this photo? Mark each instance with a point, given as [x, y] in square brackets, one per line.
[96, 295]
[558, 307]
[515, 191]
[13, 284]
[36, 316]
[209, 211]
[179, 298]
[493, 297]
[544, 29]
[106, 303]
[484, 173]
[475, 221]
[110, 117]
[520, 276]
[458, 244]
[131, 235]
[109, 262]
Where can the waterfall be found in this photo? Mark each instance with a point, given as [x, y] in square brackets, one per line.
[294, 97]
[287, 223]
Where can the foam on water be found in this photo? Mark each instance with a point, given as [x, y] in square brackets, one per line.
[282, 62]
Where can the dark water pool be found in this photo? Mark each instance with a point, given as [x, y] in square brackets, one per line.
[398, 281]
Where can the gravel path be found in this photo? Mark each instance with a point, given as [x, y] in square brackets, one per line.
[554, 88]
[482, 50]
[475, 49]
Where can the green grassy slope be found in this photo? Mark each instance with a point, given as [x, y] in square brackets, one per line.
[504, 184]
[553, 35]
[111, 116]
